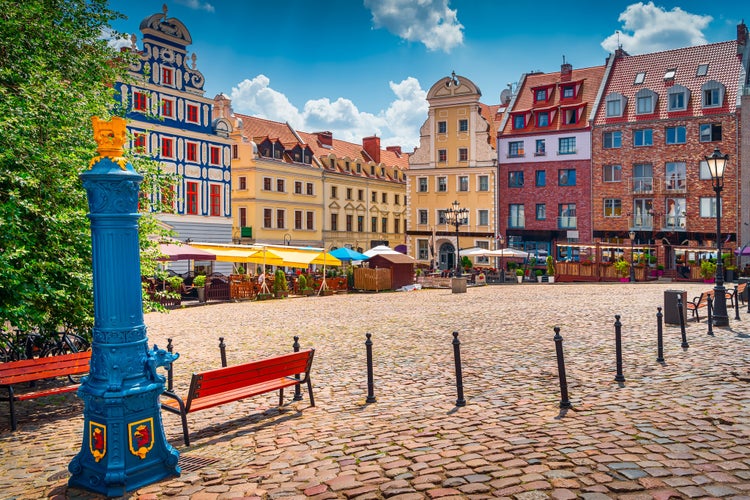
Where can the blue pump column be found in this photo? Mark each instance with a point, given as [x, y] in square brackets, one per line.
[124, 446]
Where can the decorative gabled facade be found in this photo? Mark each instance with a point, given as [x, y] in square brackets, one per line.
[456, 161]
[544, 158]
[660, 115]
[170, 120]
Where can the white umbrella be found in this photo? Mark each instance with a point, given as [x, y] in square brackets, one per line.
[508, 252]
[474, 252]
[380, 249]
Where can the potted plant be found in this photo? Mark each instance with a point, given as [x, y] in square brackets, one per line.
[280, 286]
[550, 269]
[660, 270]
[175, 283]
[708, 271]
[538, 274]
[622, 268]
[304, 285]
[519, 275]
[199, 283]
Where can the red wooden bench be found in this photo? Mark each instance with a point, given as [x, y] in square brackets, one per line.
[224, 385]
[13, 373]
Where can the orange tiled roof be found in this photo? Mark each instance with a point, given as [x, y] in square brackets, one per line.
[490, 113]
[723, 66]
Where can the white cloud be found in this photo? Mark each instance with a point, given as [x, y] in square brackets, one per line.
[196, 5]
[397, 125]
[648, 28]
[115, 40]
[430, 22]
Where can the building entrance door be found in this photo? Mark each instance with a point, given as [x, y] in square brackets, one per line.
[447, 255]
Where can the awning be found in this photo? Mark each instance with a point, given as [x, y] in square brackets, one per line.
[173, 252]
[295, 257]
[252, 255]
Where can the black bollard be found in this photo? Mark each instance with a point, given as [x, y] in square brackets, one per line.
[223, 351]
[169, 370]
[682, 323]
[460, 401]
[370, 382]
[659, 336]
[564, 401]
[618, 349]
[736, 304]
[710, 320]
[297, 389]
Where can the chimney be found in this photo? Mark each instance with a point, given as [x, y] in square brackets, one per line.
[325, 138]
[371, 145]
[742, 36]
[395, 149]
[566, 71]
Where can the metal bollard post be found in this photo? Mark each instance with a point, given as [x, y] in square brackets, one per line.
[564, 401]
[710, 320]
[297, 389]
[370, 382]
[736, 304]
[460, 401]
[223, 351]
[170, 377]
[618, 349]
[685, 344]
[659, 336]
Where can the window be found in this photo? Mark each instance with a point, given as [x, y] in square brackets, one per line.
[266, 183]
[235, 151]
[442, 184]
[540, 95]
[191, 151]
[540, 149]
[541, 211]
[463, 154]
[710, 132]
[540, 178]
[267, 217]
[442, 155]
[167, 76]
[374, 196]
[422, 216]
[167, 147]
[542, 119]
[396, 226]
[645, 100]
[643, 178]
[516, 216]
[167, 108]
[675, 213]
[397, 199]
[281, 185]
[675, 135]
[309, 189]
[360, 223]
[192, 113]
[675, 176]
[678, 98]
[702, 70]
[704, 172]
[567, 145]
[215, 155]
[441, 217]
[349, 223]
[484, 183]
[280, 216]
[612, 140]
[334, 192]
[483, 218]
[612, 173]
[571, 116]
[191, 198]
[140, 101]
[334, 222]
[515, 179]
[612, 207]
[568, 91]
[463, 183]
[708, 207]
[298, 219]
[519, 121]
[243, 217]
[373, 224]
[639, 78]
[615, 104]
[566, 177]
[139, 143]
[670, 74]
[423, 249]
[515, 149]
[567, 215]
[361, 194]
[643, 137]
[713, 94]
[215, 199]
[442, 127]
[243, 182]
[463, 125]
[384, 224]
[422, 184]
[297, 187]
[310, 220]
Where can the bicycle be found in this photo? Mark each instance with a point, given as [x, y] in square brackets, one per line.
[64, 342]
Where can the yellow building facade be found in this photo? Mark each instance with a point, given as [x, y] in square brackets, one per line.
[456, 162]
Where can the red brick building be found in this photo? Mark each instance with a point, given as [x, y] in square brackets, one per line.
[544, 158]
[660, 114]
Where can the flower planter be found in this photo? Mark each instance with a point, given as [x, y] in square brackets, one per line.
[201, 293]
[624, 280]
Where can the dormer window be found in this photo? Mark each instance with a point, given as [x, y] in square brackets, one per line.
[542, 119]
[540, 95]
[678, 97]
[702, 70]
[568, 92]
[670, 74]
[519, 121]
[713, 94]
[616, 103]
[639, 78]
[645, 101]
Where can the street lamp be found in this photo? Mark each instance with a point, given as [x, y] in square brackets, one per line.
[456, 216]
[716, 164]
[632, 257]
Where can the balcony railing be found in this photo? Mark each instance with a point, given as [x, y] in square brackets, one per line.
[642, 222]
[641, 185]
[675, 185]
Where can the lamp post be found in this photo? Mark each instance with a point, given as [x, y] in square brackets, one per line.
[632, 257]
[716, 164]
[456, 215]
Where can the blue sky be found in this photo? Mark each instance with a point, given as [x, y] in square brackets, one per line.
[363, 67]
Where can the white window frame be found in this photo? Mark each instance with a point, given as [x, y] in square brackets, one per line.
[615, 203]
[479, 183]
[483, 217]
[423, 217]
[441, 184]
[423, 185]
[621, 101]
[713, 86]
[462, 182]
[676, 90]
[640, 99]
[708, 207]
[612, 168]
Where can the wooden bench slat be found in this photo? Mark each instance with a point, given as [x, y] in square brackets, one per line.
[52, 370]
[205, 402]
[47, 392]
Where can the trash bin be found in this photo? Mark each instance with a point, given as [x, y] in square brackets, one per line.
[671, 314]
[458, 285]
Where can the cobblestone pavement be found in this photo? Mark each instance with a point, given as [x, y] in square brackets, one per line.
[680, 429]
